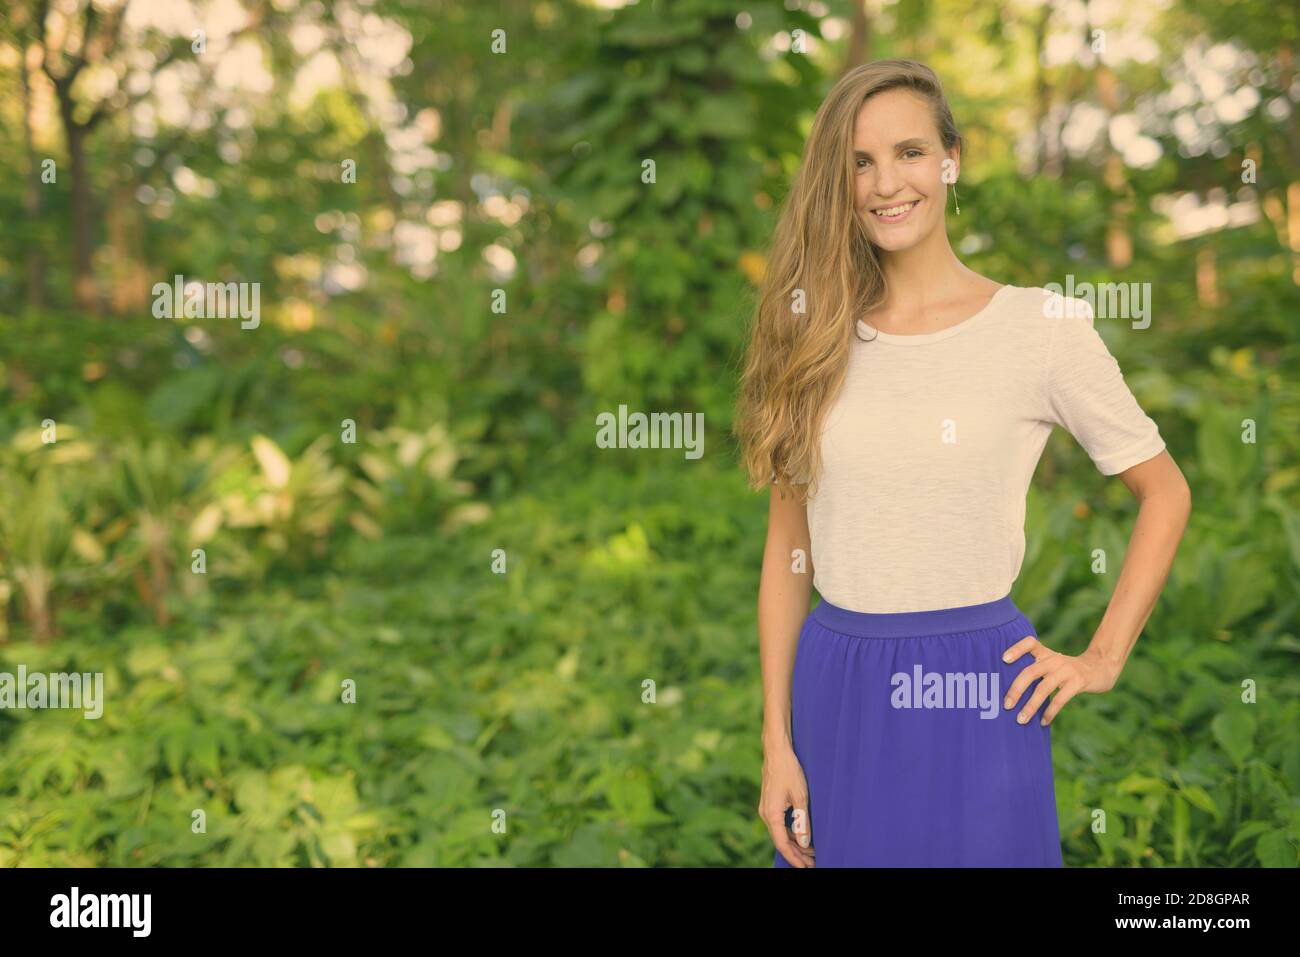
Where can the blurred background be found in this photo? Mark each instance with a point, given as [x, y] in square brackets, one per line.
[363, 588]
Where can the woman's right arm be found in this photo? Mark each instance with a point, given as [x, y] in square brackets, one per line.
[783, 596]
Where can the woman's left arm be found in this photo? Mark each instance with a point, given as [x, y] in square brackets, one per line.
[1164, 504]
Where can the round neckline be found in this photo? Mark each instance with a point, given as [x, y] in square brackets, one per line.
[872, 334]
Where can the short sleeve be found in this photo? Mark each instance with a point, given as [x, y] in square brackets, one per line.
[1087, 395]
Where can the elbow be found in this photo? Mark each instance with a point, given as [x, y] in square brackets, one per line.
[1172, 497]
[1169, 485]
[1181, 496]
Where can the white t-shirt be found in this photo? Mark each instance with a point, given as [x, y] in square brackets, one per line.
[929, 447]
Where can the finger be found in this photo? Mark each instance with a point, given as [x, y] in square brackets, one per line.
[801, 825]
[809, 854]
[1027, 676]
[1046, 661]
[796, 856]
[1019, 648]
[783, 841]
[780, 836]
[1045, 687]
[1068, 691]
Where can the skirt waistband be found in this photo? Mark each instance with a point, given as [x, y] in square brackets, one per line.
[907, 624]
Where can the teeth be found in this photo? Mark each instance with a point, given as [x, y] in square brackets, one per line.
[897, 210]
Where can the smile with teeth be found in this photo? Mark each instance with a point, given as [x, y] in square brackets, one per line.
[895, 212]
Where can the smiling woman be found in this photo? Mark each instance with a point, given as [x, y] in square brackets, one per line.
[908, 406]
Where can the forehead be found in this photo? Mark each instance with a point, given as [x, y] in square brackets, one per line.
[893, 115]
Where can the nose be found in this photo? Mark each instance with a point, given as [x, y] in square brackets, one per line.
[888, 181]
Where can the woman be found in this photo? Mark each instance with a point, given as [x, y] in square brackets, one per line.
[898, 403]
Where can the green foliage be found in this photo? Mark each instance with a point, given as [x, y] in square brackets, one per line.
[282, 547]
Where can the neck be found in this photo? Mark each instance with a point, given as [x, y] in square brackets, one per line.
[927, 272]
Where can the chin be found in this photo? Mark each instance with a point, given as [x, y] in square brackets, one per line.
[896, 244]
[882, 239]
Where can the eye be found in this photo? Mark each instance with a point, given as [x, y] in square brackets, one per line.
[913, 150]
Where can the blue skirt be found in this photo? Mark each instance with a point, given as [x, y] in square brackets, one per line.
[910, 757]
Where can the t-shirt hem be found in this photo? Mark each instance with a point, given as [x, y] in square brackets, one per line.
[1122, 461]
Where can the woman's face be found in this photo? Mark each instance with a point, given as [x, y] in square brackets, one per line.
[898, 162]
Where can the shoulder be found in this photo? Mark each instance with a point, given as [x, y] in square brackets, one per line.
[1043, 314]
[1048, 304]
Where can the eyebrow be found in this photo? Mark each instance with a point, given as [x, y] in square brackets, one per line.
[902, 144]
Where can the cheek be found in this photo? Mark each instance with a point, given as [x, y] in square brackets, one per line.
[860, 190]
[930, 179]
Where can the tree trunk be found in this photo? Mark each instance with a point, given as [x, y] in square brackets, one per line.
[35, 582]
[83, 225]
[1207, 277]
[1119, 242]
[1286, 79]
[129, 292]
[32, 196]
[1042, 91]
[859, 37]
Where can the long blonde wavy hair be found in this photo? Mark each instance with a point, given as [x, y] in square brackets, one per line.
[795, 361]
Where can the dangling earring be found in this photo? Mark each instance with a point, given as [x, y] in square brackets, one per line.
[954, 197]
